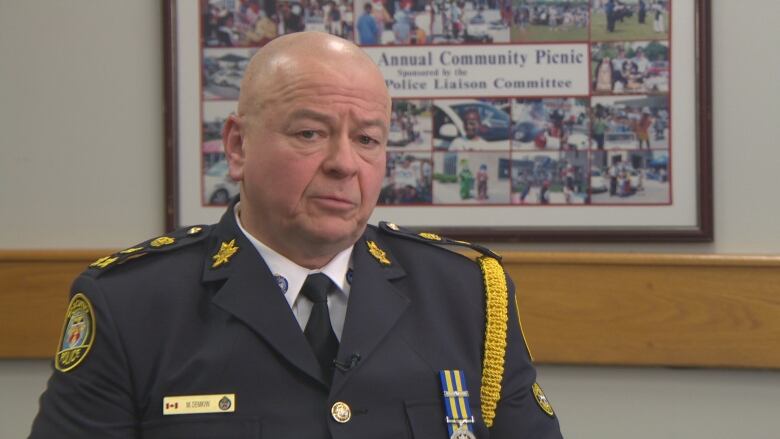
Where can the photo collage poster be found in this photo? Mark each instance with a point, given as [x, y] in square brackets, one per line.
[509, 103]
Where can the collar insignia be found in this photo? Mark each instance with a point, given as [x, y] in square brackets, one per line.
[104, 262]
[194, 230]
[377, 253]
[161, 241]
[226, 251]
[282, 282]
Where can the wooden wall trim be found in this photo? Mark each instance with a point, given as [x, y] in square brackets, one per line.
[576, 308]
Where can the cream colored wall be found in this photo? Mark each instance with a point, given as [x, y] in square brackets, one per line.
[81, 128]
[81, 166]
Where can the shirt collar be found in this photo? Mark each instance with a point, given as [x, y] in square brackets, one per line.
[294, 274]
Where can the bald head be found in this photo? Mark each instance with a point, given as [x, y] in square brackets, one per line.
[294, 59]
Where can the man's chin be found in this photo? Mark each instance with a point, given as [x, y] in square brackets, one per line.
[337, 233]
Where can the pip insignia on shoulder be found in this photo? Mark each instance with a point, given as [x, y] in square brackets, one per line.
[544, 404]
[432, 238]
[165, 243]
[78, 334]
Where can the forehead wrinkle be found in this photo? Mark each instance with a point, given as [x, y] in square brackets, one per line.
[362, 97]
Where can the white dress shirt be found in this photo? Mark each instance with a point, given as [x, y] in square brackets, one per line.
[295, 275]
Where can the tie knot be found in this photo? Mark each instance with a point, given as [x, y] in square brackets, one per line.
[316, 287]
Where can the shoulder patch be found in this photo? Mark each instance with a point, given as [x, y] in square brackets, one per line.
[78, 334]
[164, 243]
[542, 400]
[432, 238]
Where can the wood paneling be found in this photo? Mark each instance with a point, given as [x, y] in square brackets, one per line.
[618, 309]
[711, 311]
[36, 286]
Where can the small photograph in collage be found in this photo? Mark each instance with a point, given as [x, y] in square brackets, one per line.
[410, 125]
[386, 22]
[218, 187]
[471, 125]
[630, 122]
[408, 179]
[545, 20]
[330, 16]
[638, 67]
[222, 72]
[550, 123]
[630, 177]
[254, 23]
[541, 178]
[470, 178]
[613, 20]
[231, 23]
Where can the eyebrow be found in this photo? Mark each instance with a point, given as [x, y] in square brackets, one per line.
[306, 113]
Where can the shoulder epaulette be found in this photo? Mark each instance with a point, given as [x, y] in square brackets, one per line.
[496, 314]
[163, 243]
[432, 238]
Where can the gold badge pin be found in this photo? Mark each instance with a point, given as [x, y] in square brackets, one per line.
[226, 251]
[104, 262]
[430, 236]
[78, 334]
[341, 412]
[378, 253]
[392, 226]
[161, 241]
[194, 230]
[544, 404]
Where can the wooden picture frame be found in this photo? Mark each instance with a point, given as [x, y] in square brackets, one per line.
[685, 215]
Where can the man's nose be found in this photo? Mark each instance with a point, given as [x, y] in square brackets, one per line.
[341, 159]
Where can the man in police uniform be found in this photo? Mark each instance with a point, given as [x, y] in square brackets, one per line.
[291, 318]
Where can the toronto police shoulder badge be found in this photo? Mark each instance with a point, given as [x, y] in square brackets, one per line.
[544, 404]
[78, 334]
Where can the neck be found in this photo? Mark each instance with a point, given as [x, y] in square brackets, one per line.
[304, 252]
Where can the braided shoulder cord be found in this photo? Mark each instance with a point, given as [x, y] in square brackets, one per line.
[496, 306]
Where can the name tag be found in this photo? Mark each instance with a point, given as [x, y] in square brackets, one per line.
[191, 404]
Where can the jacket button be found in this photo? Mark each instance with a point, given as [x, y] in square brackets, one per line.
[341, 412]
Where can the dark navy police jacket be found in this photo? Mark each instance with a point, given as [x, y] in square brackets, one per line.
[167, 323]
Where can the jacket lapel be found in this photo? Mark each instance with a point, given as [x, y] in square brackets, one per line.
[251, 294]
[375, 305]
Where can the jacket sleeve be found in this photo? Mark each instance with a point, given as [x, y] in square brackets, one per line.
[94, 398]
[519, 414]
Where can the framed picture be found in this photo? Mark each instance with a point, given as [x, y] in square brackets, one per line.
[512, 120]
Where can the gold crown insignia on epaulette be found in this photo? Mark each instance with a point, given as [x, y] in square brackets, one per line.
[177, 239]
[433, 238]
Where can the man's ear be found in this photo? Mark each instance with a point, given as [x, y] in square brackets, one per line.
[233, 142]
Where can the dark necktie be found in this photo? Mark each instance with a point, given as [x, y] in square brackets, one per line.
[319, 331]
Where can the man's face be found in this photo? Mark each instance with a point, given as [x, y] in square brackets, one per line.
[314, 156]
[471, 123]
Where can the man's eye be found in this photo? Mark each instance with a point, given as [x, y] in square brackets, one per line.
[308, 134]
[366, 140]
